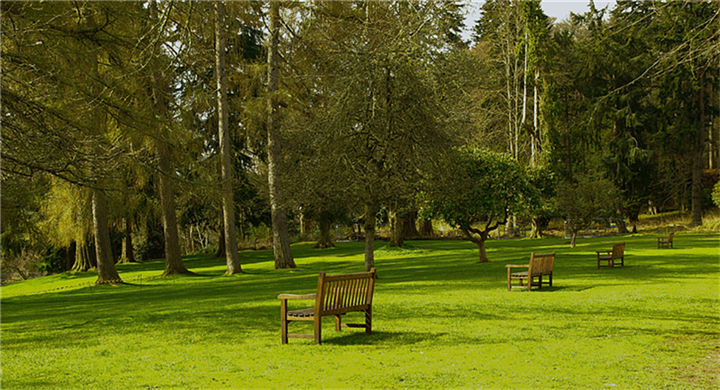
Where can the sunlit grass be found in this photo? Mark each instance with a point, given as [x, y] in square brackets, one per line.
[440, 321]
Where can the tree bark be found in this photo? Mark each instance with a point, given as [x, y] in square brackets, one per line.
[173, 260]
[409, 225]
[128, 254]
[426, 228]
[232, 258]
[697, 161]
[105, 264]
[396, 225]
[536, 228]
[371, 210]
[325, 239]
[221, 239]
[84, 257]
[479, 240]
[281, 238]
[160, 104]
[103, 248]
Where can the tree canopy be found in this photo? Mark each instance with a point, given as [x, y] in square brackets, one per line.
[163, 128]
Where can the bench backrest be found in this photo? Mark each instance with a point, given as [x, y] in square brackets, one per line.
[618, 250]
[670, 236]
[541, 263]
[338, 294]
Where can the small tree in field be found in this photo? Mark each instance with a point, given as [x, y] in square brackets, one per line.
[585, 199]
[475, 191]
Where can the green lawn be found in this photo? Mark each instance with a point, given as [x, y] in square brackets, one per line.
[439, 321]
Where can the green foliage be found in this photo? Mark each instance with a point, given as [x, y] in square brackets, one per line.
[476, 185]
[651, 324]
[716, 194]
[588, 198]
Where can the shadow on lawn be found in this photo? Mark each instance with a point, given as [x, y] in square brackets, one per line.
[379, 338]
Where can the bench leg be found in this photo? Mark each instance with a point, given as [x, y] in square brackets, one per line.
[338, 322]
[283, 322]
[550, 279]
[318, 329]
[368, 320]
[540, 282]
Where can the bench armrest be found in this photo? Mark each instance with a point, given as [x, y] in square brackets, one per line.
[607, 251]
[296, 296]
[517, 266]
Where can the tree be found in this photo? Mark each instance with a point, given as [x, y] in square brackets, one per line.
[72, 61]
[281, 239]
[582, 201]
[381, 95]
[475, 190]
[228, 206]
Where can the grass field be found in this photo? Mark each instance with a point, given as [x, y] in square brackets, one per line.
[440, 320]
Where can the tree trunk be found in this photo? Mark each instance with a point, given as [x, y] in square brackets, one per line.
[103, 247]
[70, 256]
[160, 105]
[221, 239]
[396, 225]
[128, 254]
[482, 258]
[409, 225]
[232, 258]
[574, 237]
[173, 260]
[697, 160]
[479, 240]
[536, 228]
[281, 238]
[426, 228]
[105, 264]
[621, 226]
[190, 239]
[325, 239]
[84, 257]
[371, 210]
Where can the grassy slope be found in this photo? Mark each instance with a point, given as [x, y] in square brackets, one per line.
[440, 321]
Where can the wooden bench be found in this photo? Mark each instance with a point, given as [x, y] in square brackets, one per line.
[539, 266]
[612, 256]
[336, 295]
[666, 242]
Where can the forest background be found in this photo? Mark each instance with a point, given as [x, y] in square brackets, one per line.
[141, 130]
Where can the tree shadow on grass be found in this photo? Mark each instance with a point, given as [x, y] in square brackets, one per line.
[378, 338]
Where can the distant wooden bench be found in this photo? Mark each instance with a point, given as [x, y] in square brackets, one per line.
[540, 265]
[611, 257]
[336, 295]
[666, 242]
